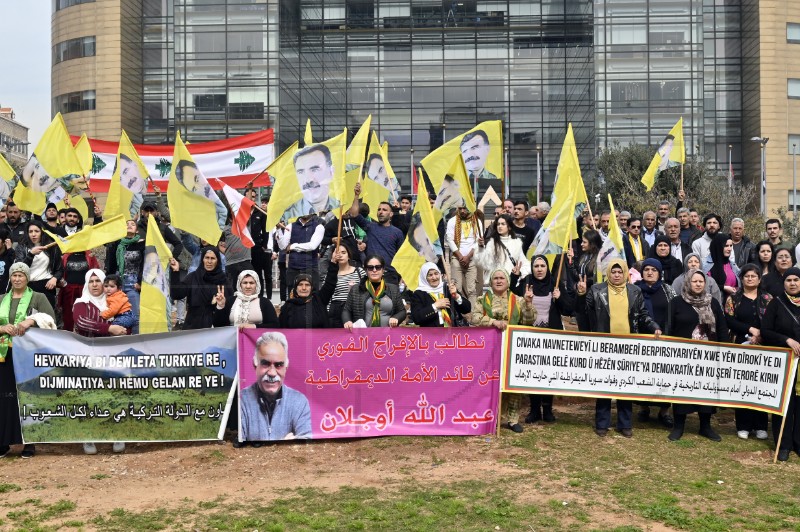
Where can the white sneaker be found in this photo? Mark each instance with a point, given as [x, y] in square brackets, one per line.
[762, 434]
[743, 434]
[89, 448]
[118, 447]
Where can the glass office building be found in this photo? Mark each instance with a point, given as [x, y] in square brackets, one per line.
[427, 70]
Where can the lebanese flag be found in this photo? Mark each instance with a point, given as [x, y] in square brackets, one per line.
[241, 209]
[234, 161]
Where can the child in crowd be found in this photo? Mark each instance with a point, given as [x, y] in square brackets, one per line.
[119, 308]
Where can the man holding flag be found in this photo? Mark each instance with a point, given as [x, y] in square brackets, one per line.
[384, 239]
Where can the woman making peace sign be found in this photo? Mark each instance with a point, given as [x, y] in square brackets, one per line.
[201, 288]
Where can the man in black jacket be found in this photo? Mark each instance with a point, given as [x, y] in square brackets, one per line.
[149, 211]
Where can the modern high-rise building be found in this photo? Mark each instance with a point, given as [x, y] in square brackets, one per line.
[618, 70]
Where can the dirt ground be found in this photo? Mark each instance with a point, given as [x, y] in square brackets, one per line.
[151, 476]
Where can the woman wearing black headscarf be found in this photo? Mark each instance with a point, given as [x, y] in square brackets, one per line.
[719, 265]
[671, 267]
[551, 302]
[697, 316]
[657, 297]
[773, 282]
[780, 327]
[201, 288]
[307, 308]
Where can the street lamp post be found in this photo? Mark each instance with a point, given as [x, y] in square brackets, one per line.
[762, 141]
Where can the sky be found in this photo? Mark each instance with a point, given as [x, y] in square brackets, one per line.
[25, 83]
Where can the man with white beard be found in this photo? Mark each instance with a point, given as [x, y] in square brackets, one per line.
[270, 410]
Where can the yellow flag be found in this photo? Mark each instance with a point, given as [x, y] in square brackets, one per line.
[314, 183]
[128, 183]
[52, 170]
[455, 190]
[193, 204]
[8, 181]
[92, 236]
[7, 172]
[567, 203]
[672, 152]
[354, 162]
[481, 148]
[418, 246]
[84, 153]
[79, 203]
[154, 311]
[308, 138]
[286, 191]
[612, 245]
[379, 183]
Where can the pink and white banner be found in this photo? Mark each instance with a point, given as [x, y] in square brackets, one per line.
[233, 161]
[372, 382]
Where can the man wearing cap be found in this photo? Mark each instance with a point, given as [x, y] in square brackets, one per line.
[270, 410]
[51, 217]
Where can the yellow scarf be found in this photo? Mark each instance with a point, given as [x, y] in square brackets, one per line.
[636, 246]
[463, 228]
[618, 300]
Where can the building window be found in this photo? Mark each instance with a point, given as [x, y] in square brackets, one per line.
[794, 144]
[63, 4]
[74, 49]
[793, 32]
[794, 88]
[74, 101]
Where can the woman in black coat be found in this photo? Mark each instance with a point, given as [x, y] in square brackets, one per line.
[307, 308]
[743, 311]
[658, 296]
[433, 304]
[202, 288]
[698, 316]
[773, 281]
[551, 302]
[671, 268]
[780, 327]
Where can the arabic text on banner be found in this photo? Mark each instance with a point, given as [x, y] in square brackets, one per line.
[382, 382]
[637, 367]
[158, 387]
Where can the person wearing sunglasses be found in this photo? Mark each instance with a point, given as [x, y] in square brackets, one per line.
[636, 247]
[270, 410]
[374, 301]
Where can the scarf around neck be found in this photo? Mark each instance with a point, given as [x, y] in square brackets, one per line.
[376, 294]
[121, 248]
[19, 315]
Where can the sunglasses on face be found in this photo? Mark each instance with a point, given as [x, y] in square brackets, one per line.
[373, 267]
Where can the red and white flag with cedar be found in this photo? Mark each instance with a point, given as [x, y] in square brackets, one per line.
[241, 209]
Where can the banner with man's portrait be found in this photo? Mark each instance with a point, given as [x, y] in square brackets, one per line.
[324, 383]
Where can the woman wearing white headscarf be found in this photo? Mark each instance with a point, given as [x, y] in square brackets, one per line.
[433, 304]
[246, 308]
[88, 322]
[87, 309]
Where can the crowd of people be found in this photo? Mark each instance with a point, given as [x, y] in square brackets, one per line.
[682, 275]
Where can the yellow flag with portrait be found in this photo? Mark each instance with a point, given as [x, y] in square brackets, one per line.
[418, 247]
[481, 148]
